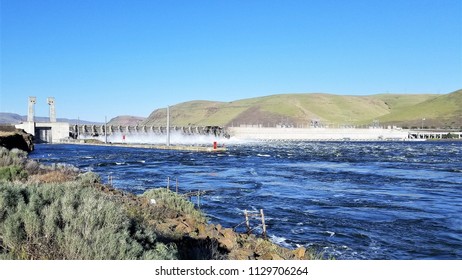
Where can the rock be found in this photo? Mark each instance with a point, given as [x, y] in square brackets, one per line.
[270, 256]
[266, 256]
[16, 138]
[182, 227]
[227, 243]
[299, 253]
[201, 230]
[229, 234]
[228, 238]
[242, 254]
[276, 257]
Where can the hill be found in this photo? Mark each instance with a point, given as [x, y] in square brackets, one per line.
[443, 111]
[11, 118]
[289, 109]
[126, 120]
[327, 109]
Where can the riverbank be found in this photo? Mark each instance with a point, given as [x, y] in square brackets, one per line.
[191, 148]
[11, 138]
[58, 212]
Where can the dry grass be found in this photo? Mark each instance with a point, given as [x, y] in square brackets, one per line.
[7, 133]
[52, 177]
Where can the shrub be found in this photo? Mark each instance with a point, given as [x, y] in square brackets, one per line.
[13, 157]
[32, 167]
[174, 202]
[89, 178]
[12, 173]
[5, 174]
[67, 221]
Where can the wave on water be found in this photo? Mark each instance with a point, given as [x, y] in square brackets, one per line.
[330, 233]
[263, 155]
[282, 241]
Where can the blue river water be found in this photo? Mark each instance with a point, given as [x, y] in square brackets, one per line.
[348, 200]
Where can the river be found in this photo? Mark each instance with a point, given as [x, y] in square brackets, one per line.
[348, 200]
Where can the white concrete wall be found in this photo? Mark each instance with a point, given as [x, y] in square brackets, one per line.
[28, 127]
[253, 133]
[59, 130]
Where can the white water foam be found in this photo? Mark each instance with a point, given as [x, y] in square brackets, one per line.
[176, 138]
[280, 241]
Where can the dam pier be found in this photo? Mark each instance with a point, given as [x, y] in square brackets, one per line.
[76, 131]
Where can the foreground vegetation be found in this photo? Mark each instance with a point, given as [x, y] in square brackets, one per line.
[57, 212]
[65, 219]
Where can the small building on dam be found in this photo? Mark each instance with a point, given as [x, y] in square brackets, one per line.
[44, 132]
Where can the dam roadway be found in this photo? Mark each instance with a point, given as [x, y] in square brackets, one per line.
[337, 134]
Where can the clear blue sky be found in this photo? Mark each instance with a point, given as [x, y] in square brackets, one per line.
[107, 58]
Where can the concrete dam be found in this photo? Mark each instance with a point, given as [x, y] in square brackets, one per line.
[206, 134]
[77, 131]
[56, 132]
[338, 134]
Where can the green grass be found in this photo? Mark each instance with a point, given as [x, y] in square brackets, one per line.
[302, 108]
[297, 107]
[397, 102]
[440, 110]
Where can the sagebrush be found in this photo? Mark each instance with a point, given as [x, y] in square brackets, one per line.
[68, 221]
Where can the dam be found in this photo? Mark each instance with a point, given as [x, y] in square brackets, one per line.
[148, 134]
[58, 132]
[339, 134]
[77, 131]
[53, 131]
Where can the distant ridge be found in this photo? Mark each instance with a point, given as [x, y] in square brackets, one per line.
[126, 120]
[11, 118]
[332, 110]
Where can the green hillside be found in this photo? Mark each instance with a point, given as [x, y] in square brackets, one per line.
[438, 111]
[395, 102]
[328, 109]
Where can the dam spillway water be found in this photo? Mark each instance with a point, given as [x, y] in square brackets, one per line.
[100, 130]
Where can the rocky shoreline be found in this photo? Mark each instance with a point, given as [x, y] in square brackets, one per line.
[11, 138]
